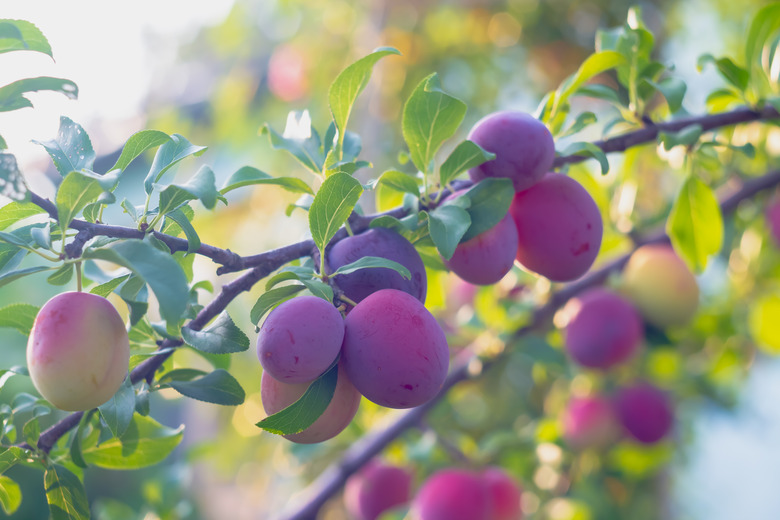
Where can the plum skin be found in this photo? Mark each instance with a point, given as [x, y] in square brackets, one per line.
[377, 488]
[384, 243]
[504, 494]
[78, 351]
[559, 228]
[524, 148]
[590, 422]
[453, 494]
[661, 286]
[394, 350]
[645, 411]
[299, 339]
[277, 396]
[606, 331]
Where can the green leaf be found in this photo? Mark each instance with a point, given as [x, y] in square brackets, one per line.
[270, 299]
[582, 121]
[673, 89]
[180, 374]
[490, 201]
[41, 236]
[145, 443]
[15, 275]
[15, 211]
[349, 84]
[19, 316]
[585, 149]
[10, 495]
[447, 224]
[12, 183]
[430, 117]
[465, 156]
[3, 144]
[221, 337]
[71, 150]
[117, 412]
[764, 25]
[599, 91]
[305, 149]
[12, 239]
[248, 175]
[10, 456]
[695, 224]
[201, 186]
[218, 387]
[399, 181]
[62, 275]
[368, 262]
[75, 192]
[12, 96]
[731, 72]
[160, 270]
[137, 144]
[303, 412]
[108, 287]
[21, 35]
[331, 207]
[319, 289]
[75, 441]
[193, 240]
[168, 155]
[685, 137]
[593, 65]
[65, 494]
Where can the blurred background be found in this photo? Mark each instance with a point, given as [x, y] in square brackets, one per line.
[216, 71]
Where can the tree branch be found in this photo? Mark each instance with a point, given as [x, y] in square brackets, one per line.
[330, 481]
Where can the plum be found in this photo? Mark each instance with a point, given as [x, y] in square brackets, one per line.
[488, 257]
[453, 494]
[300, 339]
[504, 493]
[524, 148]
[559, 228]
[645, 411]
[394, 350]
[384, 243]
[377, 488]
[78, 351]
[606, 330]
[590, 422]
[277, 396]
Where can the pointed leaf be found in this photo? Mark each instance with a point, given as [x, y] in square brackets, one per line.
[12, 183]
[695, 224]
[12, 96]
[202, 187]
[447, 224]
[71, 150]
[331, 207]
[490, 201]
[65, 494]
[399, 181]
[9, 277]
[218, 387]
[193, 240]
[74, 193]
[108, 287]
[303, 412]
[62, 275]
[221, 337]
[137, 144]
[306, 148]
[168, 155]
[19, 316]
[368, 262]
[588, 150]
[465, 156]
[270, 299]
[21, 35]
[430, 117]
[15, 211]
[248, 175]
[764, 25]
[10, 495]
[10, 456]
[117, 412]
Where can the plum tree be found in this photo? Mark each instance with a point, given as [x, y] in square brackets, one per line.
[524, 148]
[300, 339]
[276, 396]
[384, 243]
[504, 494]
[488, 257]
[559, 228]
[605, 331]
[376, 488]
[394, 351]
[78, 351]
[453, 494]
[645, 411]
[590, 422]
[661, 286]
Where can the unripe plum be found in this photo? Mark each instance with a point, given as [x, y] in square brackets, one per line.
[524, 148]
[299, 339]
[661, 286]
[645, 411]
[504, 494]
[488, 257]
[277, 396]
[559, 228]
[453, 494]
[377, 488]
[590, 422]
[606, 330]
[384, 243]
[78, 351]
[394, 351]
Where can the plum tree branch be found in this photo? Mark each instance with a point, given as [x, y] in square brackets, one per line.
[332, 479]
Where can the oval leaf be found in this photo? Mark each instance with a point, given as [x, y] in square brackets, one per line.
[221, 337]
[218, 387]
[695, 224]
[331, 206]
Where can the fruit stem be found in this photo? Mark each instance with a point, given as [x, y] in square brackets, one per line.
[347, 300]
[78, 276]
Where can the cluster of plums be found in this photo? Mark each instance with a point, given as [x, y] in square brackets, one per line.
[553, 227]
[390, 347]
[448, 494]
